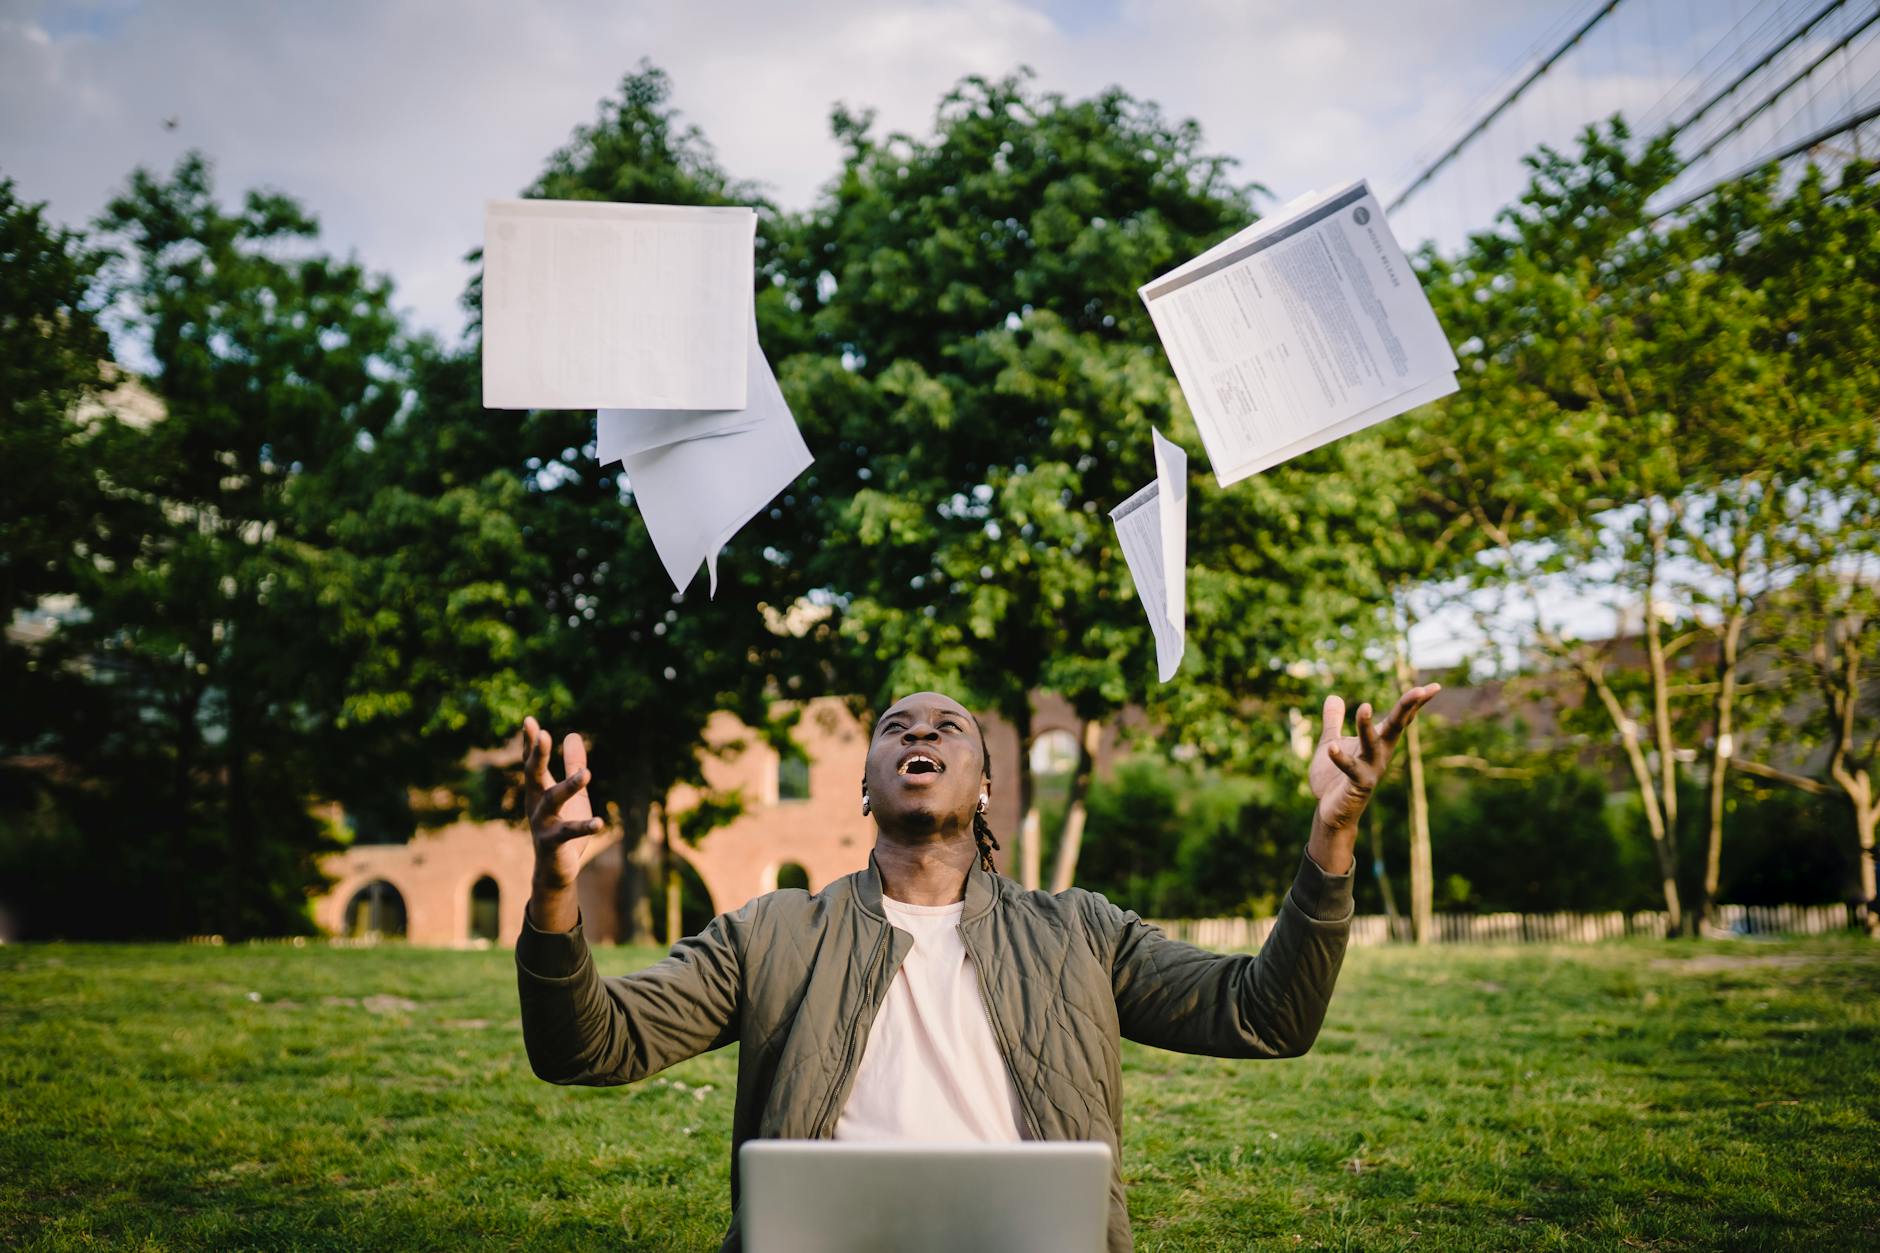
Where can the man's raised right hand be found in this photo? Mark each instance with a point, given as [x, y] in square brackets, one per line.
[560, 816]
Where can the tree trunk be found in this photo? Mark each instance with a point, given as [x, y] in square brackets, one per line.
[1664, 739]
[1866, 823]
[1422, 870]
[618, 879]
[1838, 659]
[675, 920]
[1392, 919]
[644, 879]
[1641, 773]
[1722, 747]
[1071, 839]
[1031, 828]
[597, 888]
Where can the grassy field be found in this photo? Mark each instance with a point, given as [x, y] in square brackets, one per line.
[1641, 1095]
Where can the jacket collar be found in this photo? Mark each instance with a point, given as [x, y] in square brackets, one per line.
[982, 891]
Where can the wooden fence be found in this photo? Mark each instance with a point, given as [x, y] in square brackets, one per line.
[1231, 933]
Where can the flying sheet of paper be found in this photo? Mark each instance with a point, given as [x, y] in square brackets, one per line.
[1152, 528]
[1435, 389]
[1307, 325]
[594, 305]
[621, 432]
[698, 493]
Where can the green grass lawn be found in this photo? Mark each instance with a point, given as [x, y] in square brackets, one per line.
[1643, 1095]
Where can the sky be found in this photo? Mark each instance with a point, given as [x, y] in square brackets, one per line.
[394, 121]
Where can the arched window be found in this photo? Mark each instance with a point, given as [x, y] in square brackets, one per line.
[1053, 753]
[485, 898]
[792, 775]
[376, 911]
[791, 875]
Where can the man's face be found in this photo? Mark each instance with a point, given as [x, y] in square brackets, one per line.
[925, 769]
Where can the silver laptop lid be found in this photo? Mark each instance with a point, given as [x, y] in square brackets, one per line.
[824, 1196]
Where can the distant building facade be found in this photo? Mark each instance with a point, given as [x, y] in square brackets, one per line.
[801, 821]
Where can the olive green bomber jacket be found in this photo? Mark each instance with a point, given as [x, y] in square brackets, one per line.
[796, 979]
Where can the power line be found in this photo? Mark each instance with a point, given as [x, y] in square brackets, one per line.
[1494, 90]
[1765, 59]
[1778, 93]
[1677, 97]
[1852, 122]
[1510, 98]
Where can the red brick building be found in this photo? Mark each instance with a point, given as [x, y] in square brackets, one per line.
[801, 818]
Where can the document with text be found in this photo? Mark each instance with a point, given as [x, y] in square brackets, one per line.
[1152, 528]
[594, 305]
[1306, 327]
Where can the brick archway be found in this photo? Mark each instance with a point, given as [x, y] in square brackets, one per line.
[434, 873]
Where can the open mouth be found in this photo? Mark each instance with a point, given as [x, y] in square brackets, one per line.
[920, 763]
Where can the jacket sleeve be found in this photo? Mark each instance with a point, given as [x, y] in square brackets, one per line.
[582, 1028]
[1268, 1004]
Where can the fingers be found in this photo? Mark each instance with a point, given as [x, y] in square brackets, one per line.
[1333, 720]
[562, 832]
[555, 797]
[573, 753]
[1404, 712]
[1339, 757]
[535, 774]
[1367, 734]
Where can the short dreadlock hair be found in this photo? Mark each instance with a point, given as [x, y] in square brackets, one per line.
[982, 834]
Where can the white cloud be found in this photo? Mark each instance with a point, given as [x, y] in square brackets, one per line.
[395, 121]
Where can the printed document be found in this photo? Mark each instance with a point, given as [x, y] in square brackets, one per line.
[1152, 527]
[698, 491]
[1305, 327]
[594, 305]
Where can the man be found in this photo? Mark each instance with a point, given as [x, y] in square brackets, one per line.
[925, 996]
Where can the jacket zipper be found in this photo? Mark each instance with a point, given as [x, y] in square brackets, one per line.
[1005, 1051]
[832, 1113]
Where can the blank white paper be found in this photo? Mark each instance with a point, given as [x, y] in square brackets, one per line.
[1152, 528]
[621, 432]
[594, 305]
[1305, 326]
[698, 493]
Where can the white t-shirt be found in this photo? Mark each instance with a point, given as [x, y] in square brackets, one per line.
[932, 1069]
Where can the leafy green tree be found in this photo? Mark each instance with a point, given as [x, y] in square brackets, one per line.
[53, 361]
[603, 642]
[1178, 841]
[980, 382]
[1809, 249]
[201, 726]
[1564, 448]
[54, 357]
[1644, 416]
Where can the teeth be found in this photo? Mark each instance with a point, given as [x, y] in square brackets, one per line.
[919, 757]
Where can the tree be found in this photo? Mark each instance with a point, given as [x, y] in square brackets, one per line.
[603, 640]
[1810, 248]
[195, 720]
[980, 383]
[53, 358]
[1564, 447]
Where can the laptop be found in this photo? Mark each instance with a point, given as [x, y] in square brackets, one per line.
[826, 1196]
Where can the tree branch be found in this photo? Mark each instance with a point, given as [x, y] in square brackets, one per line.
[1814, 787]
